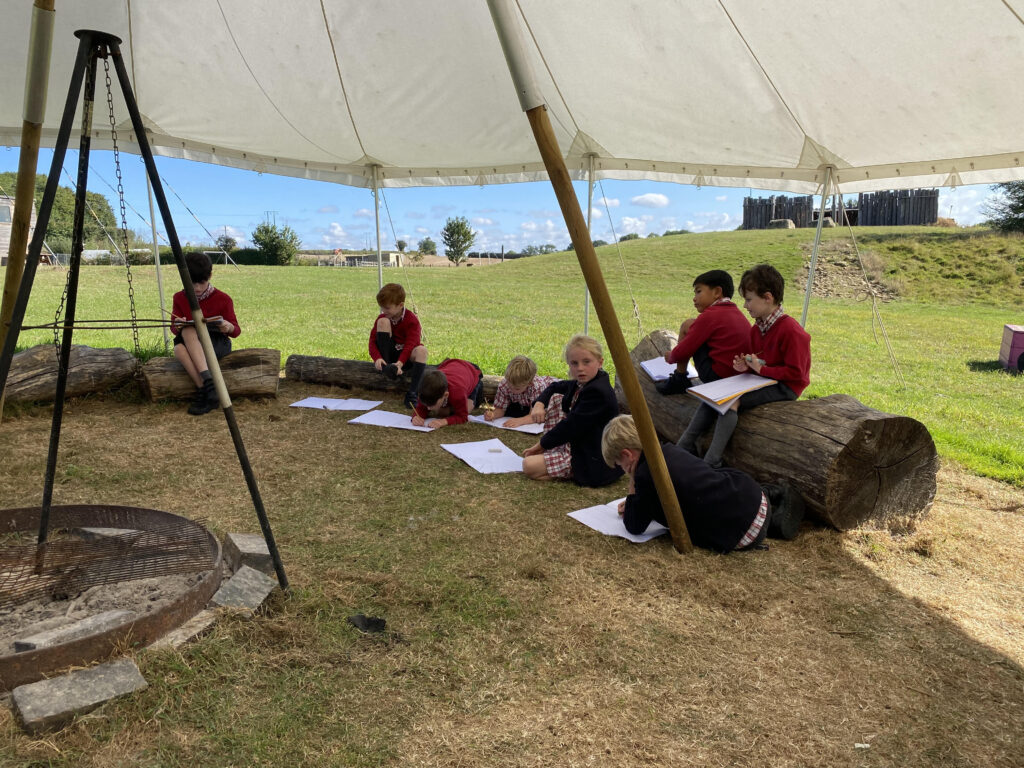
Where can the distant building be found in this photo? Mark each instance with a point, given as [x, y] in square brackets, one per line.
[6, 219]
[388, 259]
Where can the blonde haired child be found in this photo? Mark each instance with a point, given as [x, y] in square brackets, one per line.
[574, 413]
[517, 392]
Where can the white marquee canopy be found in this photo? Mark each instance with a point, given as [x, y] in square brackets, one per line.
[892, 93]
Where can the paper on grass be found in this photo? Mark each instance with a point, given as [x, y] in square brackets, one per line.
[721, 394]
[530, 429]
[388, 419]
[605, 519]
[490, 457]
[337, 403]
[659, 370]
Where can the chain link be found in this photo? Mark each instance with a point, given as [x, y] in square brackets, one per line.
[120, 198]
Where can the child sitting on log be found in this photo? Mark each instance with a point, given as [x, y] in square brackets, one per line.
[219, 314]
[395, 340]
[574, 412]
[778, 348]
[724, 509]
[712, 339]
[517, 391]
[448, 393]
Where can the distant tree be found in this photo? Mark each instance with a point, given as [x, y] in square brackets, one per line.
[630, 236]
[277, 244]
[417, 257]
[227, 243]
[458, 238]
[1006, 209]
[531, 250]
[670, 232]
[599, 243]
[548, 248]
[426, 245]
[401, 245]
[653, 234]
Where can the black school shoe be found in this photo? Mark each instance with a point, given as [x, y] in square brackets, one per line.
[676, 384]
[787, 510]
[410, 400]
[391, 371]
[205, 400]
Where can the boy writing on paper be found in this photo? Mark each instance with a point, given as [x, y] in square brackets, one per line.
[724, 509]
[448, 393]
[395, 340]
[219, 314]
[778, 348]
[712, 339]
[517, 391]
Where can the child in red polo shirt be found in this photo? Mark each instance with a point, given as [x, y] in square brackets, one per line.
[778, 348]
[449, 393]
[395, 340]
[712, 339]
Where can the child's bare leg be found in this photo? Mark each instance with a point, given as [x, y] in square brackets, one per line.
[190, 355]
[419, 354]
[535, 469]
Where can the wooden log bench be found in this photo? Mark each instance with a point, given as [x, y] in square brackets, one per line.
[33, 373]
[357, 374]
[252, 372]
[852, 464]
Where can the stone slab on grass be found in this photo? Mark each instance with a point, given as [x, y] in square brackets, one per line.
[247, 589]
[91, 625]
[190, 630]
[51, 704]
[248, 549]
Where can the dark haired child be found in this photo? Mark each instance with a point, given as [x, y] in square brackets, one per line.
[219, 314]
[724, 509]
[574, 413]
[448, 393]
[712, 339]
[395, 340]
[778, 348]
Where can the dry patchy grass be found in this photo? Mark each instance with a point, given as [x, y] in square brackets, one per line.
[518, 637]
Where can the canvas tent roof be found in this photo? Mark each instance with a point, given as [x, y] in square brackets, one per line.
[893, 93]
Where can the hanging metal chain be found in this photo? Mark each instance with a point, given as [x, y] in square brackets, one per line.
[120, 199]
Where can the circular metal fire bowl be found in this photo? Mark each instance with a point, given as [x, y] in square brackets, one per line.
[145, 537]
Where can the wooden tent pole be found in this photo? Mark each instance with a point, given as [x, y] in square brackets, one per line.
[36, 79]
[624, 370]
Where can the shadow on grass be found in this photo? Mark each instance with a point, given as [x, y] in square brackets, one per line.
[987, 366]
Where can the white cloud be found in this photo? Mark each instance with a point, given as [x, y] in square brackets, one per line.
[327, 209]
[441, 210]
[363, 213]
[422, 231]
[650, 200]
[528, 226]
[335, 237]
[611, 202]
[711, 221]
[482, 222]
[631, 225]
[415, 215]
[544, 213]
[721, 198]
[965, 205]
[595, 213]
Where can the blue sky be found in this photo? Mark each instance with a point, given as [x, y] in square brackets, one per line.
[227, 200]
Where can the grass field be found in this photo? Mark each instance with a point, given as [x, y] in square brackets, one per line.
[515, 636]
[960, 288]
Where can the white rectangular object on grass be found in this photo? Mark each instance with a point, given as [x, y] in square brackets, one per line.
[337, 403]
[605, 519]
[530, 429]
[659, 370]
[489, 457]
[388, 419]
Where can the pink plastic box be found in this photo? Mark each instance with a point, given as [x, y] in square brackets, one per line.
[1011, 353]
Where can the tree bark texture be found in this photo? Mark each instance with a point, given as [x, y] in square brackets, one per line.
[357, 374]
[254, 372]
[33, 374]
[852, 464]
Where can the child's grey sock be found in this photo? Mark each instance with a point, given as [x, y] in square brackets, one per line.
[723, 433]
[699, 423]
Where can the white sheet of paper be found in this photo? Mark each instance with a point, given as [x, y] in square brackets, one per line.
[724, 391]
[337, 403]
[489, 457]
[659, 370]
[605, 519]
[388, 419]
[530, 429]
